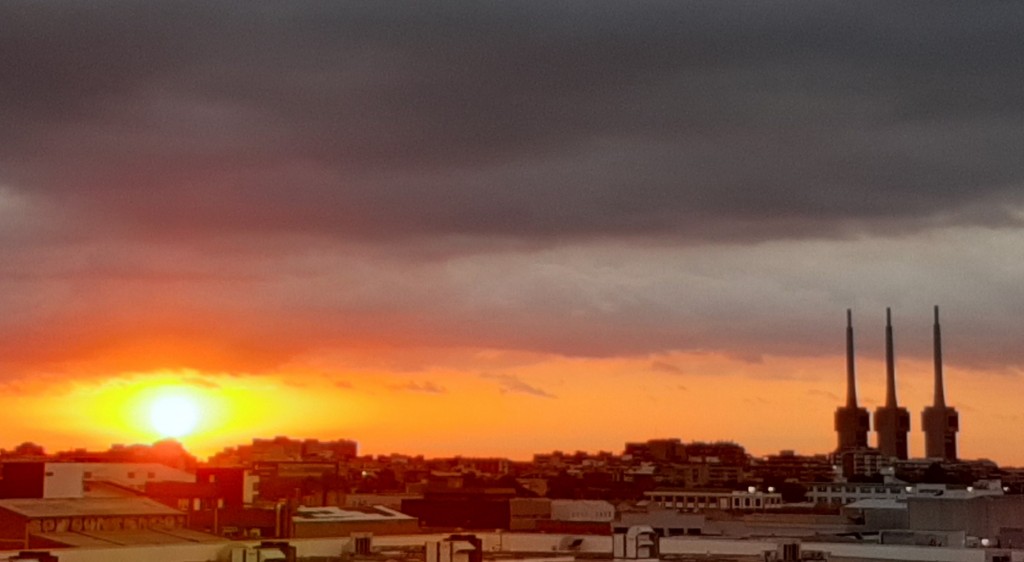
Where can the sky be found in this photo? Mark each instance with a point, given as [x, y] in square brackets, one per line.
[497, 228]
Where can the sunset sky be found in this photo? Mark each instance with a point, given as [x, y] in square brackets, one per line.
[489, 228]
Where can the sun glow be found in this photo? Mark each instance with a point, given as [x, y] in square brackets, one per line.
[174, 415]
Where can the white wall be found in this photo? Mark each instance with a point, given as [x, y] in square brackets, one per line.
[66, 479]
[250, 486]
[582, 510]
[63, 480]
[134, 475]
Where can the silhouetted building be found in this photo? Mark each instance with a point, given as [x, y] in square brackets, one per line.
[167, 452]
[22, 480]
[940, 422]
[665, 450]
[484, 508]
[787, 465]
[892, 423]
[859, 463]
[525, 514]
[236, 485]
[283, 449]
[720, 452]
[51, 480]
[307, 483]
[852, 422]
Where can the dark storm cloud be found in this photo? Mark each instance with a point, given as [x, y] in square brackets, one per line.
[368, 120]
[235, 186]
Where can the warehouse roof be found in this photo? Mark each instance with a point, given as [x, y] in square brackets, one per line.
[96, 507]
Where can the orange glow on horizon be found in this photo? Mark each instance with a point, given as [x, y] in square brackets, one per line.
[513, 405]
[230, 410]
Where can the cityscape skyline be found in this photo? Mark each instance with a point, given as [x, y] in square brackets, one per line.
[531, 281]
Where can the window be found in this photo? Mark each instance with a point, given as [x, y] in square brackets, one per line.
[150, 475]
[131, 475]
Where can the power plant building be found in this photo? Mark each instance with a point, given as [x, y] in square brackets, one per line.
[852, 422]
[939, 421]
[892, 423]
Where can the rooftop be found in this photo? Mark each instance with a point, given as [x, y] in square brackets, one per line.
[129, 538]
[74, 507]
[333, 514]
[878, 503]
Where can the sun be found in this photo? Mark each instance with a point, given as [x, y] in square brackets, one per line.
[174, 415]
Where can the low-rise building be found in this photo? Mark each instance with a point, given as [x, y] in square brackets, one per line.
[48, 523]
[54, 480]
[990, 519]
[392, 501]
[468, 508]
[526, 514]
[311, 522]
[665, 522]
[700, 500]
[844, 493]
[878, 514]
[582, 510]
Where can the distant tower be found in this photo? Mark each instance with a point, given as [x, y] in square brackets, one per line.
[852, 422]
[891, 422]
[940, 422]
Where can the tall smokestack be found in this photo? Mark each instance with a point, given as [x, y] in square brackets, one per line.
[851, 379]
[940, 422]
[890, 363]
[891, 422]
[940, 395]
[852, 423]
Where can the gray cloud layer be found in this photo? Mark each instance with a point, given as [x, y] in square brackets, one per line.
[592, 178]
[697, 120]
